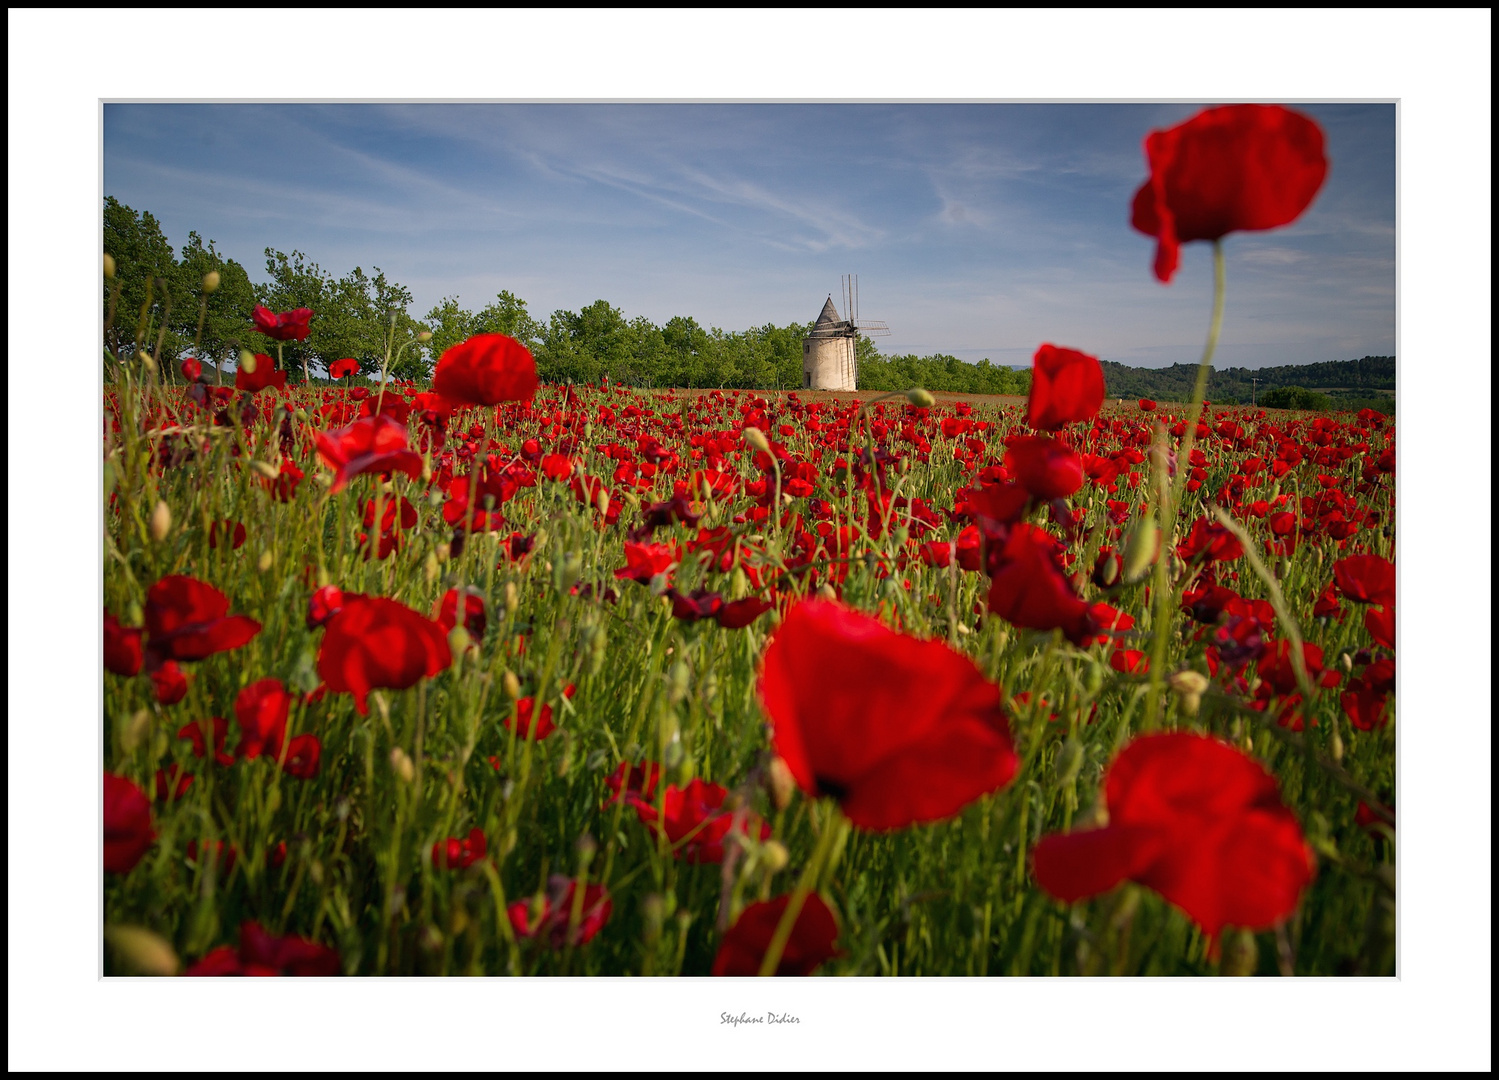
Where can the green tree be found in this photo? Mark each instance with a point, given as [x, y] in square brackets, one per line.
[144, 268]
[226, 315]
[297, 282]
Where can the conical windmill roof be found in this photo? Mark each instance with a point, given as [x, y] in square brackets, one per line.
[829, 319]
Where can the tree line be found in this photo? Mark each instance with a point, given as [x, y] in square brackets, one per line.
[1344, 382]
[156, 302]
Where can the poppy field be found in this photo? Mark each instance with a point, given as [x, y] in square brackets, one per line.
[483, 676]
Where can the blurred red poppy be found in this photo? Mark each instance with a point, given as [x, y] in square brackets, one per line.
[323, 605]
[900, 731]
[192, 368]
[186, 619]
[456, 853]
[474, 620]
[1028, 587]
[1230, 168]
[1066, 385]
[1047, 468]
[261, 709]
[376, 444]
[1209, 541]
[1146, 405]
[486, 370]
[195, 732]
[261, 954]
[170, 683]
[127, 824]
[737, 614]
[283, 325]
[645, 561]
[232, 531]
[266, 374]
[694, 820]
[552, 915]
[374, 642]
[812, 938]
[122, 647]
[530, 724]
[1365, 579]
[303, 753]
[1380, 622]
[340, 368]
[1197, 821]
[638, 780]
[172, 784]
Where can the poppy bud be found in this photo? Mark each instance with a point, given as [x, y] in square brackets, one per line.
[512, 596]
[430, 569]
[136, 731]
[782, 783]
[161, 521]
[512, 684]
[247, 361]
[1335, 745]
[1140, 552]
[459, 640]
[1189, 685]
[773, 855]
[567, 571]
[1094, 678]
[922, 399]
[677, 681]
[1241, 953]
[1345, 658]
[265, 562]
[825, 592]
[424, 335]
[138, 951]
[587, 847]
[756, 438]
[401, 765]
[443, 551]
[603, 501]
[109, 265]
[653, 911]
[1069, 761]
[211, 281]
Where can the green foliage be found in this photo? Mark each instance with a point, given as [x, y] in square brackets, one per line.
[938, 372]
[1244, 385]
[1295, 397]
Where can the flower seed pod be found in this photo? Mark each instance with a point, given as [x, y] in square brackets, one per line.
[1190, 686]
[782, 783]
[825, 592]
[138, 951]
[109, 265]
[247, 361]
[922, 399]
[512, 684]
[161, 521]
[774, 856]
[459, 640]
[266, 561]
[401, 765]
[756, 438]
[1141, 550]
[211, 281]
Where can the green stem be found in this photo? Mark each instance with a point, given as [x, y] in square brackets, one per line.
[830, 830]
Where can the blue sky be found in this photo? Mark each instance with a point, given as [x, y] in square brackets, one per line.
[979, 230]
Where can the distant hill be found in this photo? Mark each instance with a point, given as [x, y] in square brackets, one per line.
[1370, 379]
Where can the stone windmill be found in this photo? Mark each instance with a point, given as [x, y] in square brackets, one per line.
[830, 353]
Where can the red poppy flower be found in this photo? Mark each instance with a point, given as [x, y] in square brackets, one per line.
[1365, 579]
[737, 614]
[122, 647]
[192, 368]
[474, 620]
[323, 605]
[1364, 705]
[1210, 542]
[694, 821]
[1276, 669]
[170, 683]
[186, 619]
[283, 325]
[233, 531]
[302, 756]
[645, 561]
[551, 917]
[486, 370]
[127, 824]
[1380, 622]
[1146, 405]
[1066, 385]
[1129, 662]
[373, 641]
[265, 375]
[261, 709]
[1045, 467]
[699, 604]
[557, 466]
[811, 942]
[1197, 821]
[195, 733]
[528, 723]
[261, 954]
[900, 731]
[172, 784]
[1029, 589]
[1231, 168]
[637, 780]
[376, 444]
[459, 854]
[220, 854]
[347, 366]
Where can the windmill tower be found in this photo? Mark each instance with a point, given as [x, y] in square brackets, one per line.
[830, 355]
